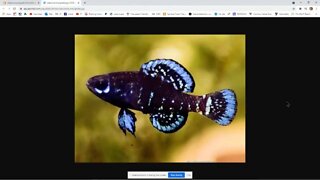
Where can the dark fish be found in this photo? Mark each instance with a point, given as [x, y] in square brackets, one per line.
[159, 89]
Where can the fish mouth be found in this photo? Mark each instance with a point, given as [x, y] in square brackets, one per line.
[89, 84]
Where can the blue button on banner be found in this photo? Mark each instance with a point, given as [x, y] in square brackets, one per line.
[176, 174]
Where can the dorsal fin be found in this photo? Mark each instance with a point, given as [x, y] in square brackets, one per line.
[171, 72]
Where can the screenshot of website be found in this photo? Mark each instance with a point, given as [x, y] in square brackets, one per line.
[159, 89]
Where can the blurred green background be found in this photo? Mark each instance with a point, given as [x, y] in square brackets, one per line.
[215, 62]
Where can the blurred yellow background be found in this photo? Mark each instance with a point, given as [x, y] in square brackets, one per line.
[215, 61]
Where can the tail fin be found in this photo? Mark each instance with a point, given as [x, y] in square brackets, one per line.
[220, 106]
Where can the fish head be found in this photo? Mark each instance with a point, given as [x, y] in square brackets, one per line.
[114, 87]
[99, 85]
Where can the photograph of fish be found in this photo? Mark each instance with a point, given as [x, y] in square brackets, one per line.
[159, 89]
[146, 85]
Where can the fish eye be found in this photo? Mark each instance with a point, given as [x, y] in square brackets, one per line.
[102, 86]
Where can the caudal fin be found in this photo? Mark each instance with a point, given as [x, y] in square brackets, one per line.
[220, 106]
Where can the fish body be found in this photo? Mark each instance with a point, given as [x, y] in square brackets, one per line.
[161, 89]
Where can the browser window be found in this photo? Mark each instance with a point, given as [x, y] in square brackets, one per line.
[159, 89]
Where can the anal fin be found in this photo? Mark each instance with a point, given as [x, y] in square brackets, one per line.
[168, 122]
